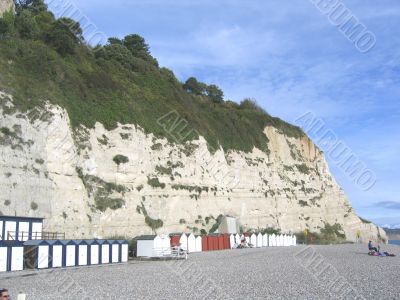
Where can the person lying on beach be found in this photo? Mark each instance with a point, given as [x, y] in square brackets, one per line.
[377, 253]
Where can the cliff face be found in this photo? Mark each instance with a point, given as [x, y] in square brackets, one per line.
[71, 177]
[6, 5]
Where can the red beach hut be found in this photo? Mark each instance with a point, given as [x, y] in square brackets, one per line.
[205, 243]
[221, 242]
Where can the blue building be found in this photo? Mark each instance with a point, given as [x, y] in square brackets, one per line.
[20, 228]
[24, 245]
[13, 232]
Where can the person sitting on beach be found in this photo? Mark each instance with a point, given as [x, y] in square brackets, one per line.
[371, 248]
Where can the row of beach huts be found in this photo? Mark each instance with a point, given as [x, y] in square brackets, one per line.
[161, 245]
[23, 245]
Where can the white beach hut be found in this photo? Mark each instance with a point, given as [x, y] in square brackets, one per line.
[253, 240]
[17, 258]
[104, 251]
[237, 239]
[152, 245]
[82, 248]
[191, 242]
[164, 244]
[289, 240]
[184, 241]
[232, 241]
[124, 250]
[94, 250]
[43, 255]
[11, 257]
[274, 240]
[145, 245]
[56, 254]
[265, 240]
[199, 245]
[115, 250]
[70, 253]
[259, 240]
[3, 257]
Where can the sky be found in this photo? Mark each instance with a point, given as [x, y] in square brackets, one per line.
[293, 59]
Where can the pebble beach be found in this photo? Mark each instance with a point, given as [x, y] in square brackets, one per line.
[301, 272]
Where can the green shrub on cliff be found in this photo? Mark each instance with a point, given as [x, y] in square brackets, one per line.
[329, 234]
[120, 159]
[120, 82]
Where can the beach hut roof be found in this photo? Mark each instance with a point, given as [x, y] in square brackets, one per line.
[177, 233]
[214, 234]
[145, 237]
[113, 241]
[91, 241]
[81, 242]
[55, 242]
[36, 242]
[16, 218]
[101, 241]
[5, 243]
[67, 242]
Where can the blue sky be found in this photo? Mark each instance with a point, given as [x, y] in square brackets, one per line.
[288, 56]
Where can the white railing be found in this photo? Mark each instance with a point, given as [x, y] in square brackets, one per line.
[174, 252]
[24, 236]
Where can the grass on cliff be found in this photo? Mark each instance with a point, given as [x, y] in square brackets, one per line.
[329, 234]
[40, 60]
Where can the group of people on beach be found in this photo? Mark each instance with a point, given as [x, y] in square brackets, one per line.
[376, 251]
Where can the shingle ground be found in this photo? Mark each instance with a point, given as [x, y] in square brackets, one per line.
[318, 272]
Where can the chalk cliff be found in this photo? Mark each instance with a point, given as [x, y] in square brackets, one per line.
[100, 183]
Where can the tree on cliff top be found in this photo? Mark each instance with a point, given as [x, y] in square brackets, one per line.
[64, 35]
[215, 93]
[139, 48]
[34, 5]
[117, 83]
[192, 85]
